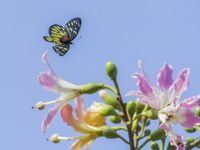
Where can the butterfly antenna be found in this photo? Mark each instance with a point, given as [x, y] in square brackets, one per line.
[78, 38]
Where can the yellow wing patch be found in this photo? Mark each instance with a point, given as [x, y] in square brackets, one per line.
[53, 40]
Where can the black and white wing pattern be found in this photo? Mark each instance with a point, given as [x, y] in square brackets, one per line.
[73, 27]
[61, 49]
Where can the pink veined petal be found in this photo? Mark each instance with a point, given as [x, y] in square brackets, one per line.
[165, 80]
[143, 84]
[181, 83]
[191, 102]
[146, 100]
[166, 126]
[132, 93]
[66, 114]
[51, 81]
[190, 119]
[79, 108]
[173, 136]
[50, 116]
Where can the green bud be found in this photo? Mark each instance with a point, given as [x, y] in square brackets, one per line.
[147, 123]
[115, 119]
[108, 110]
[157, 134]
[111, 70]
[154, 146]
[188, 141]
[91, 88]
[109, 99]
[131, 107]
[197, 111]
[171, 147]
[147, 132]
[110, 134]
[190, 130]
[139, 106]
[152, 114]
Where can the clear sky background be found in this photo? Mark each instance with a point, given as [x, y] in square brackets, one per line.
[119, 31]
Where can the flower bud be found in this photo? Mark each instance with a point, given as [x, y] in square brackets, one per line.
[91, 88]
[111, 70]
[109, 99]
[147, 132]
[188, 141]
[139, 106]
[190, 130]
[157, 134]
[54, 138]
[40, 105]
[171, 147]
[115, 119]
[110, 134]
[131, 108]
[154, 145]
[108, 110]
[197, 111]
[152, 114]
[147, 123]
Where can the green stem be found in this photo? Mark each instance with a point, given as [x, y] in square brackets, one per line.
[163, 143]
[110, 88]
[143, 144]
[124, 140]
[143, 126]
[116, 128]
[116, 86]
[134, 126]
[126, 119]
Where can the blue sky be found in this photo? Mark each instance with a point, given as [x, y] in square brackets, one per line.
[119, 31]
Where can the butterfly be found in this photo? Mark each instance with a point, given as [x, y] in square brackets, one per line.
[63, 36]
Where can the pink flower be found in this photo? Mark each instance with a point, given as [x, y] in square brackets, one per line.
[67, 91]
[165, 101]
[89, 123]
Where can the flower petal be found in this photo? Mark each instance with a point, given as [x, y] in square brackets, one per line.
[50, 116]
[173, 136]
[181, 83]
[165, 79]
[83, 141]
[51, 81]
[143, 84]
[79, 108]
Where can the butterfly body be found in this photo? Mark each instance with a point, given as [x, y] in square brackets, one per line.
[63, 36]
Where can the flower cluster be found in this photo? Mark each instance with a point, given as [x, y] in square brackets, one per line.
[151, 104]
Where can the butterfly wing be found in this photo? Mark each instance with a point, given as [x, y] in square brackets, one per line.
[73, 27]
[56, 32]
[61, 49]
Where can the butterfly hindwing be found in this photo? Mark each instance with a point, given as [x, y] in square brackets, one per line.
[73, 27]
[61, 49]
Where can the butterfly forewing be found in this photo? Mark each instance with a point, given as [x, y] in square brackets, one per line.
[61, 49]
[73, 27]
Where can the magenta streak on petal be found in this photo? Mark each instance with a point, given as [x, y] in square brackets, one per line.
[181, 83]
[166, 126]
[165, 79]
[50, 117]
[143, 84]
